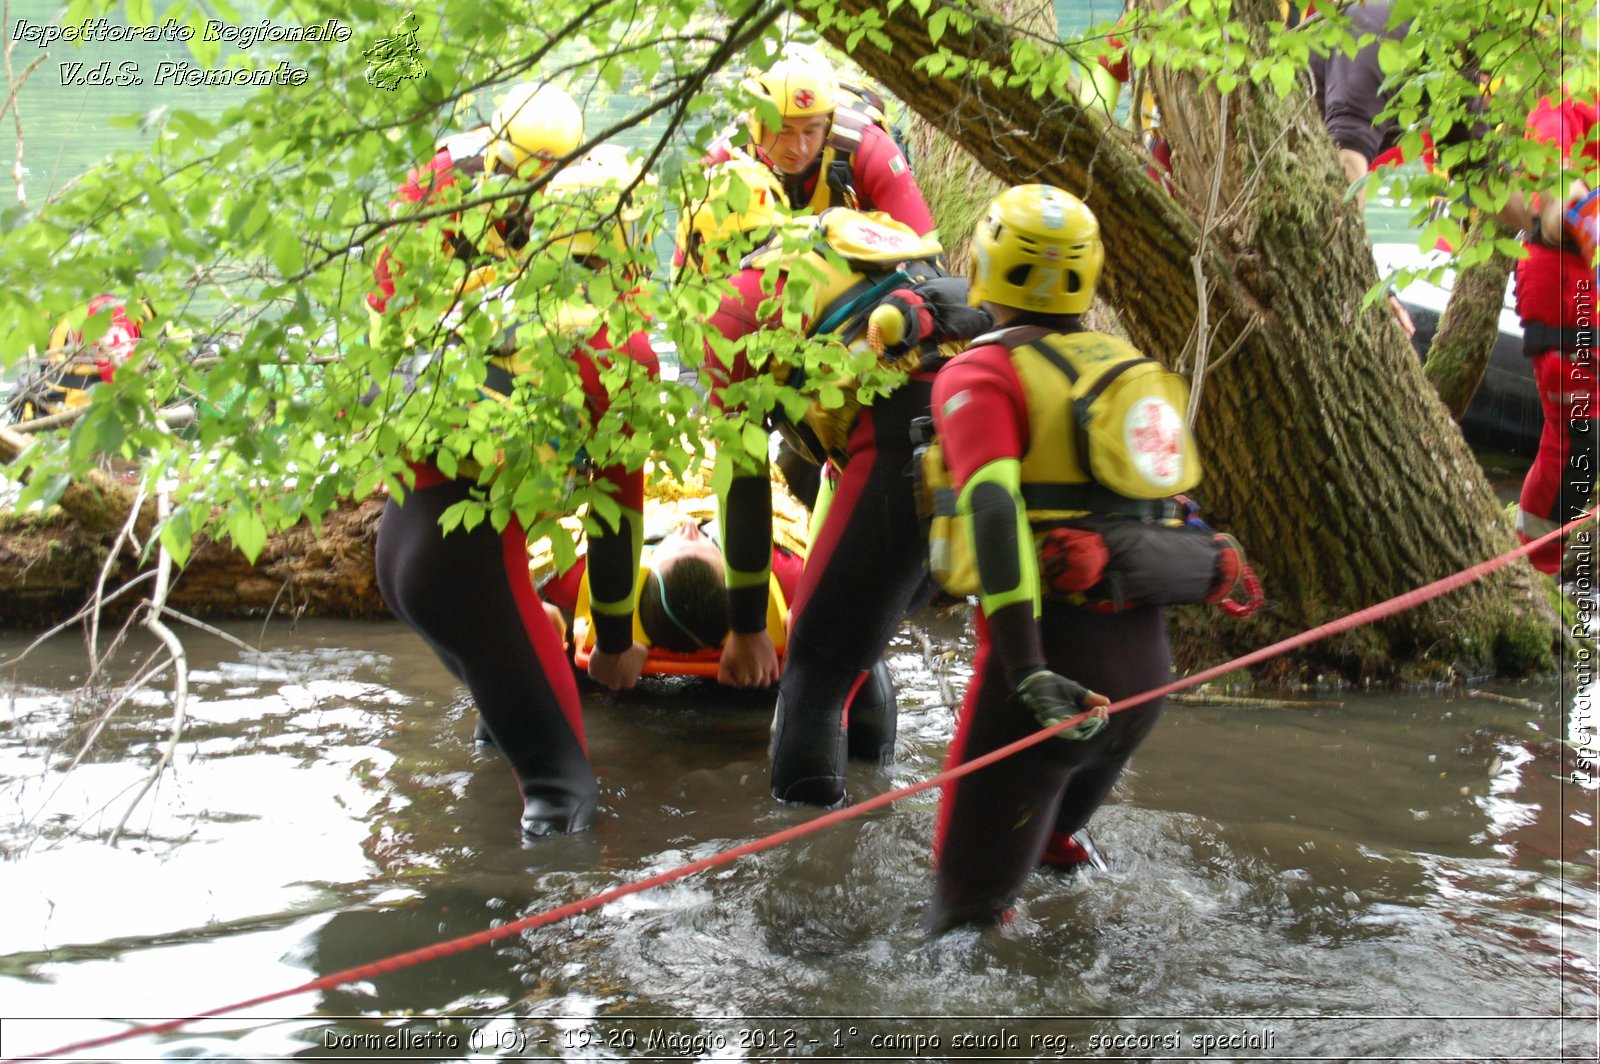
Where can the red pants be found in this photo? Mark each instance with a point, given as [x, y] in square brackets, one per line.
[1558, 485]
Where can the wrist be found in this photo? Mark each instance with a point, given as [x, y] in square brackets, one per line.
[1017, 677]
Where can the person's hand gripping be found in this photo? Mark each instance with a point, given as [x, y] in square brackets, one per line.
[1053, 698]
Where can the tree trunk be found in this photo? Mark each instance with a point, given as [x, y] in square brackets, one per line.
[1470, 324]
[50, 564]
[957, 187]
[1326, 452]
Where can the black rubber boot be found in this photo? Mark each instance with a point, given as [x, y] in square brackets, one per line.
[807, 760]
[559, 792]
[556, 814]
[873, 717]
[480, 733]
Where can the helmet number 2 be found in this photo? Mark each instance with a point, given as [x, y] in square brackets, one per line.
[1044, 282]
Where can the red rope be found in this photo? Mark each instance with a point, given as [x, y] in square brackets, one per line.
[414, 957]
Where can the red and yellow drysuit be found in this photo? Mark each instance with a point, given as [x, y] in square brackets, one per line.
[864, 568]
[1004, 420]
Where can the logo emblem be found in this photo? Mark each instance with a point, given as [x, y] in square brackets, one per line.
[395, 59]
[1153, 432]
[804, 98]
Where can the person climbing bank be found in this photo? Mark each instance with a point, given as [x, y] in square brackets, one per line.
[830, 148]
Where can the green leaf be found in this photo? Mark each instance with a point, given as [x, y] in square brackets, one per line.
[177, 537]
[562, 549]
[606, 509]
[284, 247]
[248, 533]
[754, 439]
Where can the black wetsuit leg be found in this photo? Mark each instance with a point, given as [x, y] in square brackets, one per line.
[994, 824]
[872, 718]
[864, 572]
[470, 597]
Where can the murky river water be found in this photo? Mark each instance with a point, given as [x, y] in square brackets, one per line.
[1405, 877]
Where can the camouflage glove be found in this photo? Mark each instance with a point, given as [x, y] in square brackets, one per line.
[1052, 699]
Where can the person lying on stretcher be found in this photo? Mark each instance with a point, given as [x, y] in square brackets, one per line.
[682, 613]
[682, 616]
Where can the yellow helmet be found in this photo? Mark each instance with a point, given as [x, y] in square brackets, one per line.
[742, 196]
[587, 193]
[798, 88]
[1037, 249]
[534, 121]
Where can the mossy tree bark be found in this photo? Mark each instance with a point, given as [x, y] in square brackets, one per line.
[1326, 451]
[1470, 324]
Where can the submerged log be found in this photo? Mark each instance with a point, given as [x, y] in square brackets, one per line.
[51, 562]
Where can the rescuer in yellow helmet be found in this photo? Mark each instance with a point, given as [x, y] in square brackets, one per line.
[1038, 515]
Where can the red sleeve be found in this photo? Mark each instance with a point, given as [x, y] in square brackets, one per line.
[561, 590]
[430, 177]
[735, 319]
[1567, 125]
[629, 485]
[1117, 65]
[980, 410]
[886, 183]
[421, 183]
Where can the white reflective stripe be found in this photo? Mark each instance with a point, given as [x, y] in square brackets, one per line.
[1534, 527]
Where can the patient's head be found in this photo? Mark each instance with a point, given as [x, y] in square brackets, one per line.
[682, 606]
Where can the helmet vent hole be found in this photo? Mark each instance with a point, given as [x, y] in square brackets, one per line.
[1074, 282]
[1017, 276]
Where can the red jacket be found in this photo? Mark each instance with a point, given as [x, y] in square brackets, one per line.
[1553, 284]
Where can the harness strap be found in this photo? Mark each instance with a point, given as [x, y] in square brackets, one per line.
[845, 140]
[1093, 498]
[1539, 337]
[860, 296]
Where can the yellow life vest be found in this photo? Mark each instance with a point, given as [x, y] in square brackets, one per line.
[881, 254]
[1124, 451]
[1127, 442]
